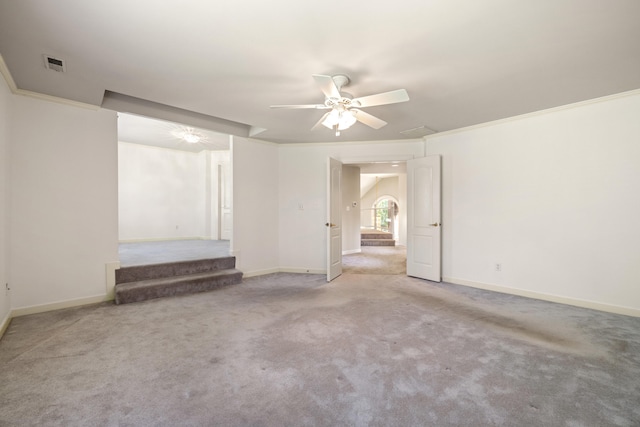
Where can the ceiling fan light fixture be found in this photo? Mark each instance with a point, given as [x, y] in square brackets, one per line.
[344, 107]
[339, 120]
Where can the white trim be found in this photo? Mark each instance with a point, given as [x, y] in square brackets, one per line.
[593, 305]
[50, 98]
[342, 143]
[302, 270]
[533, 114]
[378, 158]
[283, 270]
[5, 323]
[110, 271]
[259, 272]
[352, 251]
[4, 70]
[41, 308]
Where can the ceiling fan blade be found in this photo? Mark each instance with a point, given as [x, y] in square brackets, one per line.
[392, 97]
[295, 107]
[368, 119]
[327, 86]
[317, 125]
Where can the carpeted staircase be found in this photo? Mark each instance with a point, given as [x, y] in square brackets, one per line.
[376, 238]
[140, 283]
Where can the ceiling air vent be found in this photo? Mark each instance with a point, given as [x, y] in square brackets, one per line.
[418, 132]
[54, 64]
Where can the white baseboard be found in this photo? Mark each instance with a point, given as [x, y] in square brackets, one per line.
[352, 251]
[110, 271]
[616, 309]
[5, 323]
[283, 270]
[260, 272]
[41, 308]
[302, 270]
[238, 256]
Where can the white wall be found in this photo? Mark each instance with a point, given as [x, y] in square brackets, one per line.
[5, 112]
[302, 179]
[385, 187]
[63, 201]
[350, 214]
[255, 206]
[163, 193]
[554, 198]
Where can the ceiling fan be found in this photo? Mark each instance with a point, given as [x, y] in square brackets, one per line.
[345, 109]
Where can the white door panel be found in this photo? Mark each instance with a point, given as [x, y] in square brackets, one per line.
[334, 219]
[423, 218]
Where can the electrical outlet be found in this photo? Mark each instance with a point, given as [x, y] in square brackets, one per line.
[498, 267]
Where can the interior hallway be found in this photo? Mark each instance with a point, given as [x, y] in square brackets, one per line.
[376, 260]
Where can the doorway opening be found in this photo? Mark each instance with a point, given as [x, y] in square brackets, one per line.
[379, 239]
[174, 190]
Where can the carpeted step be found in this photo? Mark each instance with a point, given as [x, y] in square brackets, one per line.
[378, 235]
[377, 242]
[176, 285]
[179, 268]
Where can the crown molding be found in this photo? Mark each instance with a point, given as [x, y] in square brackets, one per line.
[4, 70]
[534, 114]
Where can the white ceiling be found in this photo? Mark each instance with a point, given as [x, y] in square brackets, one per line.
[161, 133]
[463, 62]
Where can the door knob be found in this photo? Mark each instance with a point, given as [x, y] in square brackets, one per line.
[330, 225]
[435, 224]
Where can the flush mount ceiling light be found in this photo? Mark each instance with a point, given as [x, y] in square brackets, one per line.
[191, 138]
[187, 135]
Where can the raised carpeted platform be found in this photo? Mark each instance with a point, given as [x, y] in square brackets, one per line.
[144, 282]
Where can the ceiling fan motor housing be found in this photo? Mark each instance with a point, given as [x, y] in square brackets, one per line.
[341, 80]
[343, 101]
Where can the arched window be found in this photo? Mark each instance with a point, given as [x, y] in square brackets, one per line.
[385, 212]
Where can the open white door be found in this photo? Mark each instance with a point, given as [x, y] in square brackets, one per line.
[334, 219]
[423, 218]
[224, 203]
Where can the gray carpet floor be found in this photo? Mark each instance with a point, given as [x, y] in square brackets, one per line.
[376, 260]
[287, 349]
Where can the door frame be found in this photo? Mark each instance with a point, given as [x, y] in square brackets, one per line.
[385, 158]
